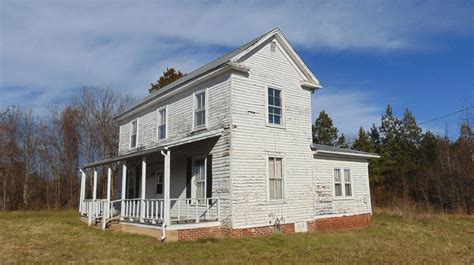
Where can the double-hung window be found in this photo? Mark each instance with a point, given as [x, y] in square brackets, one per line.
[199, 179]
[342, 184]
[200, 109]
[162, 123]
[275, 114]
[133, 134]
[275, 178]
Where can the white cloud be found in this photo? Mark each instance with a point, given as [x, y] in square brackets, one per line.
[55, 46]
[348, 110]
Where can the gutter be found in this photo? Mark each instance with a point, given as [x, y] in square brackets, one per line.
[334, 153]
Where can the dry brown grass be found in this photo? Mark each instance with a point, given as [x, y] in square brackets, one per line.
[394, 237]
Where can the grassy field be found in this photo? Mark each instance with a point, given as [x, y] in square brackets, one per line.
[59, 237]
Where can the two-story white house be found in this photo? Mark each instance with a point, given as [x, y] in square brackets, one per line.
[227, 149]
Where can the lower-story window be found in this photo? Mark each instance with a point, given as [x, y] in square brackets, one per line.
[159, 182]
[199, 179]
[342, 184]
[275, 178]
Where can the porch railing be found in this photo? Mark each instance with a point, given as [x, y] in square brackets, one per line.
[182, 210]
[93, 208]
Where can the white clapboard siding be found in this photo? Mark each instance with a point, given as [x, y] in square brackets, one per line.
[325, 203]
[252, 142]
[180, 115]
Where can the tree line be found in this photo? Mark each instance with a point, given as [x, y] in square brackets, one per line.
[416, 168]
[40, 154]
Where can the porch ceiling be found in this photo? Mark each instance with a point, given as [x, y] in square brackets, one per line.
[157, 148]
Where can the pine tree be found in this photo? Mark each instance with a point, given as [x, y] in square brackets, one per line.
[341, 142]
[168, 77]
[390, 127]
[324, 131]
[363, 143]
[408, 157]
[375, 138]
[411, 132]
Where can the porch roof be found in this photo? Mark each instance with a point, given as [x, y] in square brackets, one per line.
[157, 148]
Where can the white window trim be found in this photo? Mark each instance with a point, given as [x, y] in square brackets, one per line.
[267, 174]
[282, 94]
[193, 184]
[130, 137]
[206, 109]
[158, 123]
[343, 184]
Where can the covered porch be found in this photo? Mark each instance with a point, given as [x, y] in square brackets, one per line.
[167, 186]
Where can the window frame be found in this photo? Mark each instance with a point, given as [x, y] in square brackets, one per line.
[267, 105]
[206, 109]
[157, 182]
[193, 180]
[158, 124]
[283, 176]
[130, 147]
[343, 183]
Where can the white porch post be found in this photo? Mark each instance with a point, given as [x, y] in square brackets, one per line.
[143, 190]
[94, 191]
[124, 191]
[109, 182]
[83, 190]
[166, 190]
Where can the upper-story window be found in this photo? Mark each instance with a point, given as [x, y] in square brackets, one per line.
[162, 115]
[275, 114]
[134, 134]
[200, 109]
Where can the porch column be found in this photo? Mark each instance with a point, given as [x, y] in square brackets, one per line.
[166, 188]
[124, 187]
[83, 190]
[143, 190]
[109, 182]
[94, 191]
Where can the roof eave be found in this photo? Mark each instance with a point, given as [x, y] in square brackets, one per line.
[221, 69]
[360, 155]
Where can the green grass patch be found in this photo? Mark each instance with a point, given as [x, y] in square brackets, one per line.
[59, 237]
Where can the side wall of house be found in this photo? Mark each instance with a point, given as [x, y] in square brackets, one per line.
[325, 203]
[180, 115]
[180, 122]
[253, 141]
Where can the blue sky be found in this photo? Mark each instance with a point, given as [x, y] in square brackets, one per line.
[411, 54]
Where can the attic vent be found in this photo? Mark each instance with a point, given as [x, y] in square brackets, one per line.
[273, 46]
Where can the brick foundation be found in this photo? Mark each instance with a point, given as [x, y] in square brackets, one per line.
[259, 231]
[326, 224]
[196, 233]
[340, 223]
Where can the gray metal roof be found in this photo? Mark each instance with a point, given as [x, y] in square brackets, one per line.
[198, 72]
[340, 150]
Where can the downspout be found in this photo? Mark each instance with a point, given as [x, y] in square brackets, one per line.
[164, 224]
